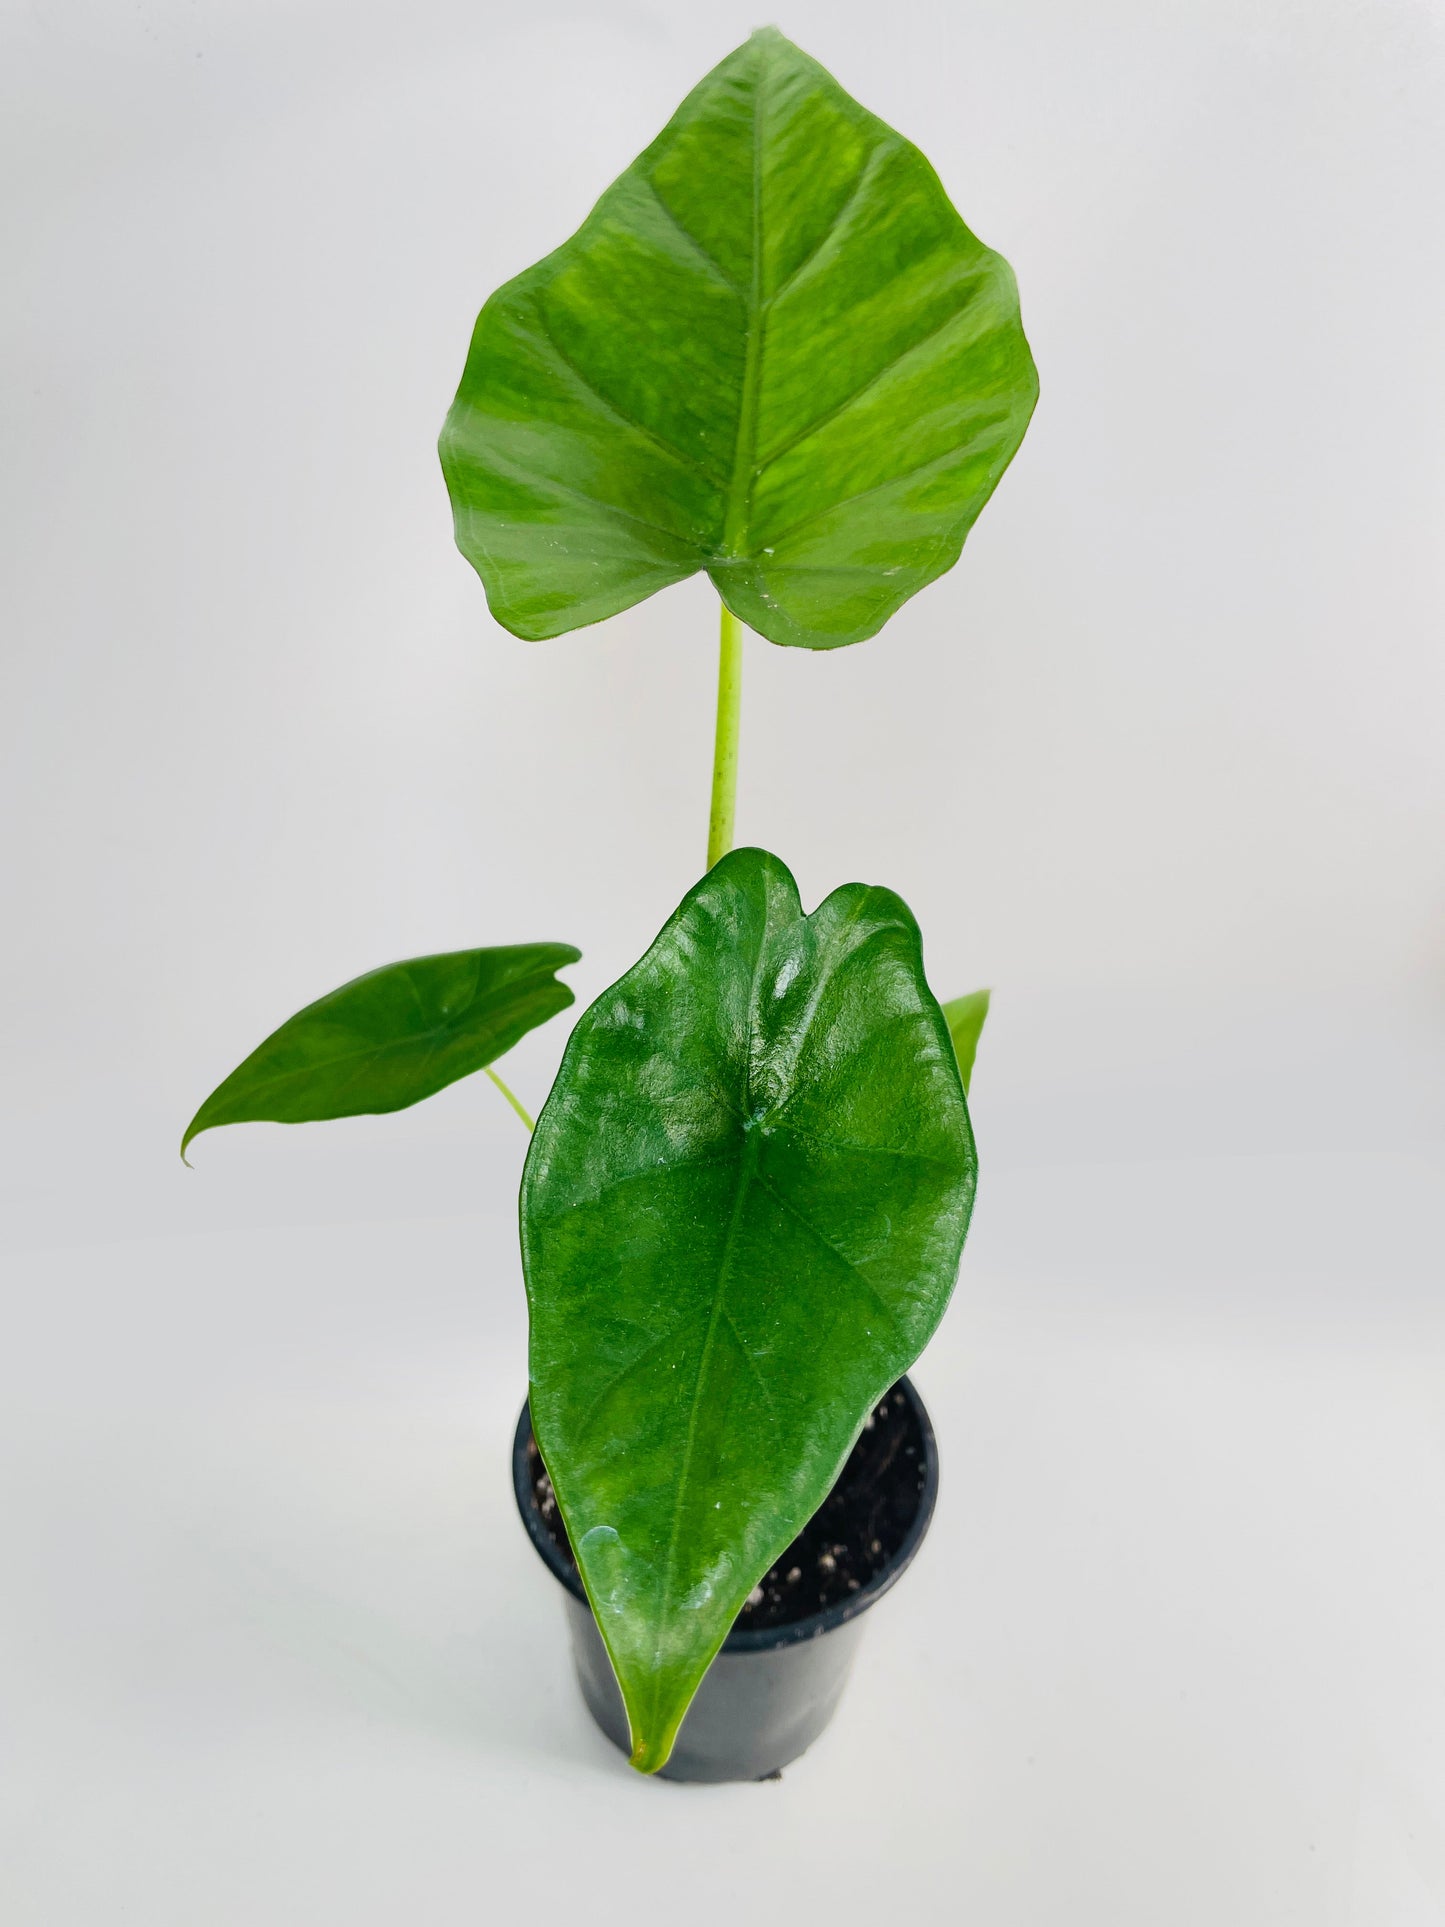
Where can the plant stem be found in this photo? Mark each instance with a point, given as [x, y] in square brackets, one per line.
[510, 1096]
[725, 744]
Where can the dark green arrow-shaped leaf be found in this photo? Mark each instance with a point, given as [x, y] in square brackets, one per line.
[742, 1215]
[964, 1017]
[773, 351]
[393, 1037]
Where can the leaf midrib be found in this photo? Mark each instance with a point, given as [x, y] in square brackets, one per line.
[747, 1171]
[746, 446]
[278, 1079]
[430, 1037]
[747, 468]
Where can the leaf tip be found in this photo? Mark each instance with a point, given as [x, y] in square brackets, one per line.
[649, 1756]
[654, 1729]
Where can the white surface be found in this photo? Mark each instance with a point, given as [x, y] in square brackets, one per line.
[1160, 760]
[275, 1649]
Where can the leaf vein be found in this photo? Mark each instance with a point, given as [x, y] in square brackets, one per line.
[599, 1399]
[687, 234]
[879, 374]
[875, 488]
[843, 1259]
[747, 1172]
[899, 1151]
[751, 1363]
[530, 475]
[584, 381]
[617, 1180]
[833, 226]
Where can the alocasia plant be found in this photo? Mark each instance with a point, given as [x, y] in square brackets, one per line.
[773, 352]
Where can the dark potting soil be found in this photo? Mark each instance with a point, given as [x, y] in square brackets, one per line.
[853, 1534]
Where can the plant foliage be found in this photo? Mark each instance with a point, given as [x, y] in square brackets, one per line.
[742, 1215]
[392, 1037]
[773, 351]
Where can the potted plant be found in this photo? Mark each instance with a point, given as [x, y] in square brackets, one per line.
[772, 352]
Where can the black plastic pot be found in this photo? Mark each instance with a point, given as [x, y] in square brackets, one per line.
[771, 1690]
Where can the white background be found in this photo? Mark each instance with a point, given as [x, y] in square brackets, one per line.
[1160, 761]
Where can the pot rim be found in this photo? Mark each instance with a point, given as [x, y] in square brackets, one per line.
[753, 1639]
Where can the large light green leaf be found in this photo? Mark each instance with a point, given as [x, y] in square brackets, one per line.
[393, 1037]
[742, 1214]
[772, 351]
[965, 1017]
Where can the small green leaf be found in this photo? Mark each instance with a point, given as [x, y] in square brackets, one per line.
[965, 1017]
[772, 351]
[393, 1037]
[742, 1214]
